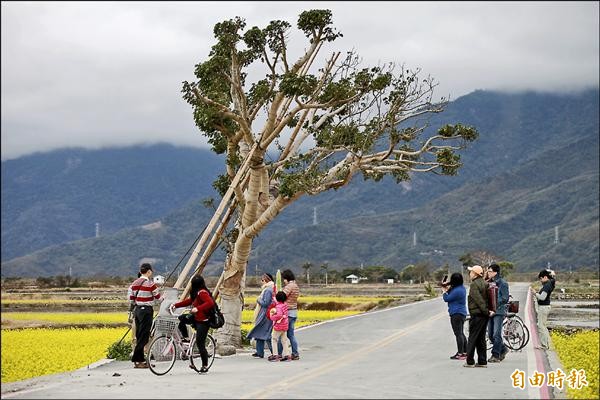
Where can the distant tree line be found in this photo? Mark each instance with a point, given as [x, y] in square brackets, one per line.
[421, 272]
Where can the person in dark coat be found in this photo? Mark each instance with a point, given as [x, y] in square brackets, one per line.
[263, 326]
[478, 309]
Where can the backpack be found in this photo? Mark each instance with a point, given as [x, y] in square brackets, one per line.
[216, 319]
[492, 292]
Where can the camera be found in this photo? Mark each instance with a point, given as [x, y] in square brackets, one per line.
[444, 282]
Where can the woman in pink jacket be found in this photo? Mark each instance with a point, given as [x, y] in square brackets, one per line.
[279, 316]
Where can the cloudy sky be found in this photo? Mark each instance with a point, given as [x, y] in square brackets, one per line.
[97, 74]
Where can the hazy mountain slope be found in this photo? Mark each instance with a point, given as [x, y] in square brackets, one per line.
[523, 165]
[513, 215]
[57, 197]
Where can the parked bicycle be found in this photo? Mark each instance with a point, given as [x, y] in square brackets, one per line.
[515, 333]
[168, 345]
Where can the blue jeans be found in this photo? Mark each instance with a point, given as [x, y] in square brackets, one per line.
[291, 337]
[260, 346]
[495, 335]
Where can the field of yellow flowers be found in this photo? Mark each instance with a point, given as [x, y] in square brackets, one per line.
[27, 353]
[579, 351]
[68, 317]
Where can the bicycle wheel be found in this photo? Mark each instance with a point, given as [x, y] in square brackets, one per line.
[525, 330]
[526, 336]
[505, 333]
[162, 354]
[211, 348]
[514, 334]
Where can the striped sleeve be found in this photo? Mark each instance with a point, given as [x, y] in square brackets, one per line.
[293, 292]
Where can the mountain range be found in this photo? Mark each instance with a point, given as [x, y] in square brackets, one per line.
[530, 178]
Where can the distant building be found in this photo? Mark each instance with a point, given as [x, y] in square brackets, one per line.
[390, 281]
[355, 279]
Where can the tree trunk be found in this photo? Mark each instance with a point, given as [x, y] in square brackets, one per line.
[256, 215]
[229, 336]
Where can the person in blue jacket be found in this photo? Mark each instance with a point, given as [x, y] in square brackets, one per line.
[497, 319]
[455, 295]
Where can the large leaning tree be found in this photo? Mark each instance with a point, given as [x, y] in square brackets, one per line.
[307, 124]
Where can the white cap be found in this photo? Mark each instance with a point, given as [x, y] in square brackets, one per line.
[477, 269]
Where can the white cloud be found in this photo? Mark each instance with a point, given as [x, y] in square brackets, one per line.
[97, 74]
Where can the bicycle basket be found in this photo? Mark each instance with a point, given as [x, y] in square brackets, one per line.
[513, 306]
[166, 326]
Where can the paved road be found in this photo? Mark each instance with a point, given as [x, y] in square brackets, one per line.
[402, 352]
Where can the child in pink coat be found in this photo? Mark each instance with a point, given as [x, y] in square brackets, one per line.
[279, 316]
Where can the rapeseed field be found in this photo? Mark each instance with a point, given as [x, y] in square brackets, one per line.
[27, 353]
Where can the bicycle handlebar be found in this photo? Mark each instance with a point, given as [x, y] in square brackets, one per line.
[171, 311]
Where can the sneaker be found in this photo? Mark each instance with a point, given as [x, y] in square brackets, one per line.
[462, 357]
[286, 358]
[467, 365]
[504, 353]
[494, 359]
[480, 365]
[295, 356]
[274, 357]
[256, 355]
[141, 365]
[455, 357]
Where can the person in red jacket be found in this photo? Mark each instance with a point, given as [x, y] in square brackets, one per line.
[202, 303]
